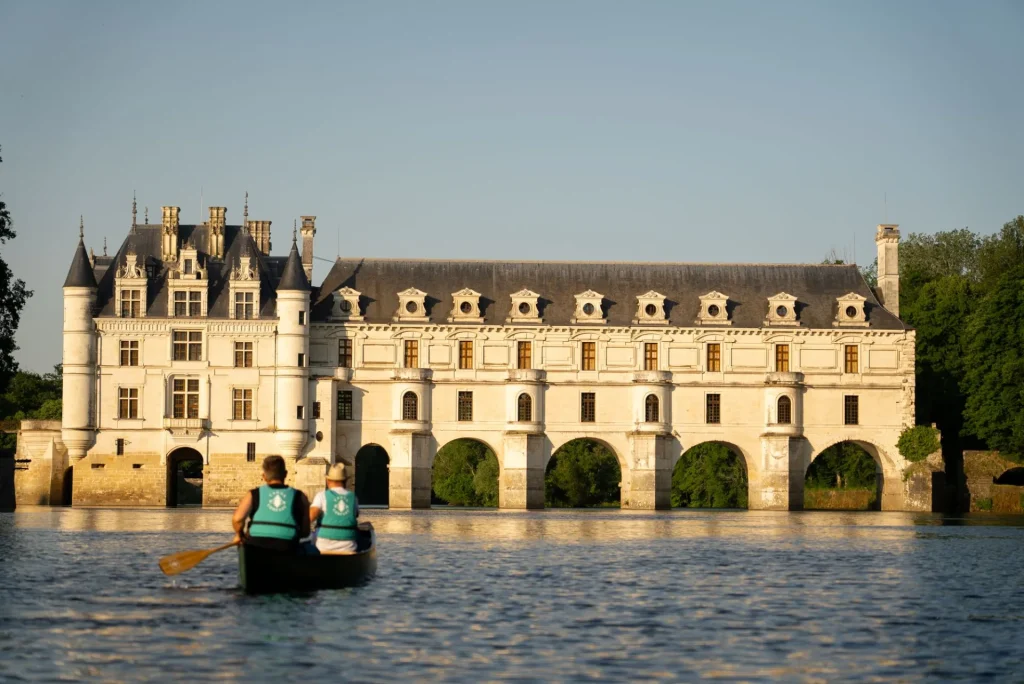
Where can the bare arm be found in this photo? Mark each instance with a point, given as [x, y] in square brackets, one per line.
[314, 514]
[241, 513]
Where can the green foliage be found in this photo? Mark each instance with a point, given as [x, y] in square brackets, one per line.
[709, 475]
[842, 466]
[918, 443]
[984, 504]
[372, 475]
[31, 396]
[582, 473]
[466, 474]
[994, 360]
[13, 294]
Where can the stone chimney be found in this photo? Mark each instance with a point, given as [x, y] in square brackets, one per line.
[218, 217]
[260, 232]
[308, 232]
[887, 239]
[169, 234]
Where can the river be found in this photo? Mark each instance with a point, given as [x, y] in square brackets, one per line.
[465, 595]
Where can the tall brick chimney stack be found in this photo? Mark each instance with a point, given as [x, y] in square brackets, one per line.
[887, 239]
[218, 217]
[308, 232]
[169, 234]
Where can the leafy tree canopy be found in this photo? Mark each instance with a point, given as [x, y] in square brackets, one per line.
[13, 294]
[582, 473]
[842, 466]
[918, 443]
[709, 475]
[466, 474]
[31, 396]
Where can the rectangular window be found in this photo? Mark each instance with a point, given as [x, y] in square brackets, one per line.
[650, 356]
[344, 404]
[188, 345]
[465, 354]
[851, 358]
[185, 398]
[119, 446]
[244, 305]
[302, 318]
[127, 403]
[129, 352]
[714, 357]
[300, 412]
[412, 354]
[782, 358]
[241, 404]
[188, 267]
[302, 360]
[243, 354]
[525, 355]
[180, 304]
[588, 407]
[465, 406]
[195, 303]
[589, 356]
[713, 409]
[316, 410]
[131, 303]
[345, 353]
[250, 452]
[851, 410]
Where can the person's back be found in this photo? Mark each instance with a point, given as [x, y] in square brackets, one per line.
[278, 514]
[337, 509]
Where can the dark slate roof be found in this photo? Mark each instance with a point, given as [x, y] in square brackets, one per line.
[80, 274]
[146, 243]
[294, 276]
[748, 287]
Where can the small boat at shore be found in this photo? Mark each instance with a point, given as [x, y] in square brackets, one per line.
[262, 571]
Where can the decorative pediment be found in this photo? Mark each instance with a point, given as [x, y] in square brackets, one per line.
[131, 270]
[466, 307]
[589, 308]
[346, 305]
[650, 308]
[245, 271]
[850, 311]
[525, 307]
[781, 310]
[412, 306]
[188, 266]
[714, 309]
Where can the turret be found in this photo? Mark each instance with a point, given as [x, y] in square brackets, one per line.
[79, 359]
[294, 409]
[887, 239]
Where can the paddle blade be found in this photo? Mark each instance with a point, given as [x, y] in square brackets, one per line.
[186, 560]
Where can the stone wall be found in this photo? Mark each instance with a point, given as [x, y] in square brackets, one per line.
[981, 470]
[41, 463]
[840, 500]
[227, 477]
[110, 480]
[924, 485]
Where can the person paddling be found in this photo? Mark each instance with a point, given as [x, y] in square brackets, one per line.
[278, 514]
[336, 509]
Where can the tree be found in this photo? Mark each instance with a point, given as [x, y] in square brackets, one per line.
[33, 396]
[994, 363]
[466, 474]
[842, 466]
[1001, 253]
[582, 473]
[13, 294]
[709, 475]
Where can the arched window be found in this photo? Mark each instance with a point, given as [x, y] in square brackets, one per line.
[651, 409]
[524, 407]
[785, 413]
[410, 406]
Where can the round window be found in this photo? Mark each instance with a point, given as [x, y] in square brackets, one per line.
[465, 307]
[524, 308]
[411, 307]
[588, 309]
[346, 305]
[319, 436]
[650, 309]
[781, 312]
[851, 312]
[713, 311]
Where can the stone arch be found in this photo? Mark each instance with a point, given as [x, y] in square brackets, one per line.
[884, 473]
[741, 457]
[602, 477]
[473, 485]
[562, 440]
[181, 489]
[372, 470]
[1013, 476]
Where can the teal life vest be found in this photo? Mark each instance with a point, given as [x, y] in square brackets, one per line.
[339, 516]
[274, 513]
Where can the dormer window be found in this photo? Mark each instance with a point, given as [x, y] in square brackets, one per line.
[525, 307]
[346, 305]
[650, 308]
[130, 284]
[412, 307]
[781, 310]
[189, 270]
[245, 289]
[466, 307]
[589, 308]
[850, 311]
[714, 309]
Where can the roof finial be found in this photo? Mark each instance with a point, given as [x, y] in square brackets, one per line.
[146, 220]
[245, 211]
[81, 227]
[295, 231]
[135, 214]
[104, 245]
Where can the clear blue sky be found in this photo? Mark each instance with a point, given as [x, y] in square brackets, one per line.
[648, 131]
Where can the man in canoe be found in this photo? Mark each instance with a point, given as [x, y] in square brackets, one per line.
[278, 514]
[336, 509]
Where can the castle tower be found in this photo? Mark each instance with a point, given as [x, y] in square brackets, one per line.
[294, 408]
[78, 431]
[887, 239]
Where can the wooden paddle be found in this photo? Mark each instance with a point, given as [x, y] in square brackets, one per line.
[186, 560]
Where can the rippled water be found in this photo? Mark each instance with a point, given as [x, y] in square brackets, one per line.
[484, 595]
